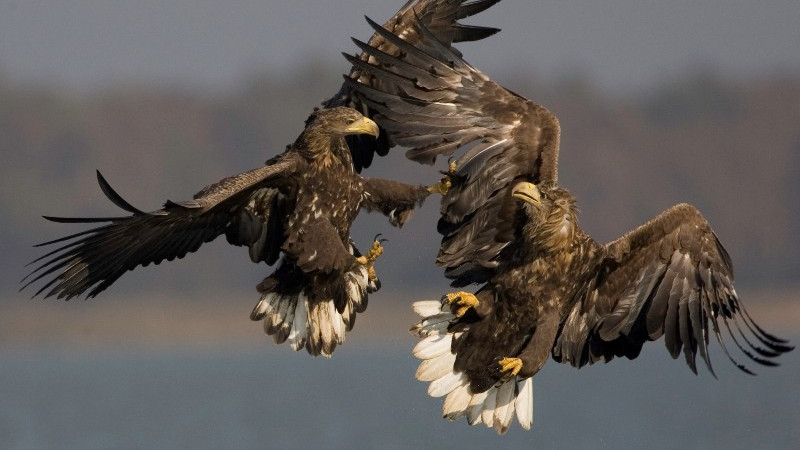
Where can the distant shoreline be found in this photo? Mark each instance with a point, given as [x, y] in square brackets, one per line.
[220, 322]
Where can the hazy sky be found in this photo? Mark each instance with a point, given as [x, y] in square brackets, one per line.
[213, 44]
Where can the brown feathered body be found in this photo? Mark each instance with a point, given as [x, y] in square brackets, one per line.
[318, 285]
[295, 211]
[533, 287]
[329, 194]
[547, 289]
[557, 293]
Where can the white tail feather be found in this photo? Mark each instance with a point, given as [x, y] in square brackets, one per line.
[435, 368]
[261, 307]
[504, 408]
[276, 321]
[475, 407]
[524, 403]
[427, 308]
[496, 407]
[433, 346]
[288, 320]
[324, 326]
[299, 333]
[489, 405]
[279, 311]
[456, 403]
[340, 328]
[316, 326]
[433, 325]
[445, 385]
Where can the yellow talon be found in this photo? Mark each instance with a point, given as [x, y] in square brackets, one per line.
[369, 259]
[443, 186]
[463, 300]
[375, 251]
[513, 365]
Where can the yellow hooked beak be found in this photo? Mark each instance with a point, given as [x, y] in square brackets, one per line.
[527, 192]
[364, 125]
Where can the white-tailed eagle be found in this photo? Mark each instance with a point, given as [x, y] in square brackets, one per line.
[547, 289]
[295, 211]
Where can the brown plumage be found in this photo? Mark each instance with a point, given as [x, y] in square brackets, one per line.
[295, 211]
[441, 20]
[547, 288]
[299, 206]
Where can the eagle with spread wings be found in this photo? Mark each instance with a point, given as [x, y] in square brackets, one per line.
[547, 289]
[296, 212]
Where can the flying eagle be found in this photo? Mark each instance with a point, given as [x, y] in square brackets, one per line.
[547, 288]
[441, 20]
[296, 211]
[299, 205]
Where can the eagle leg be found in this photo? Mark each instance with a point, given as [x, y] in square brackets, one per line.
[510, 365]
[445, 183]
[369, 259]
[441, 187]
[451, 167]
[461, 300]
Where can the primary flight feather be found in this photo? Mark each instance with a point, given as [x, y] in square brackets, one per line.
[547, 289]
[296, 211]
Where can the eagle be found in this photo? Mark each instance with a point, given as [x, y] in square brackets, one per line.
[546, 289]
[295, 212]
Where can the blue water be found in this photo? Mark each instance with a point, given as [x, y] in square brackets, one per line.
[367, 398]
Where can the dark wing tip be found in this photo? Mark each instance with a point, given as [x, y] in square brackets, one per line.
[115, 197]
[475, 7]
[81, 219]
[466, 33]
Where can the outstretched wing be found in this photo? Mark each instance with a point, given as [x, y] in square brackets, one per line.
[441, 18]
[242, 206]
[432, 101]
[670, 277]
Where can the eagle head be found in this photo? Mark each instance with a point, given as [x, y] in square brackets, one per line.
[340, 122]
[323, 139]
[549, 214]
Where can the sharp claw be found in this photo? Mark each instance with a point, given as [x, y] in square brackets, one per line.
[368, 260]
[374, 252]
[510, 365]
[451, 166]
[461, 300]
[442, 186]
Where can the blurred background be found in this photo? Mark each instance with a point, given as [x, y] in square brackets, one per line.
[659, 103]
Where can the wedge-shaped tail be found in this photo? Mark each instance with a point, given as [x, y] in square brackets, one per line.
[495, 407]
[290, 314]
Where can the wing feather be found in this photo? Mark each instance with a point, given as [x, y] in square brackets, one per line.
[505, 137]
[670, 276]
[441, 18]
[88, 262]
